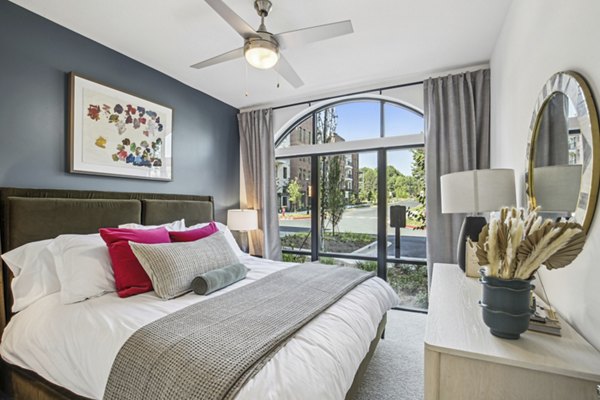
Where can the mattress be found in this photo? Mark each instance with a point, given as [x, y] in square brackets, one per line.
[74, 345]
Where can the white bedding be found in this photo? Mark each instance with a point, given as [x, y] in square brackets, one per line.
[74, 345]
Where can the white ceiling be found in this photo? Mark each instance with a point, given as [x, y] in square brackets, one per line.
[392, 41]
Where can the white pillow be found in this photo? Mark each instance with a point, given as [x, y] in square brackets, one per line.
[171, 226]
[34, 273]
[83, 267]
[228, 235]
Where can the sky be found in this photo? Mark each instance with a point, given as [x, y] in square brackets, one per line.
[360, 120]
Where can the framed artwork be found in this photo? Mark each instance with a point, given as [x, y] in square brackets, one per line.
[115, 133]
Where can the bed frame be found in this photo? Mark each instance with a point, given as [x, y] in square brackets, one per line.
[28, 215]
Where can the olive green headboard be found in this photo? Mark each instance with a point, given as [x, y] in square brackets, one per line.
[28, 215]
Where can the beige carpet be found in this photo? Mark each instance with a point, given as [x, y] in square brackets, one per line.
[396, 369]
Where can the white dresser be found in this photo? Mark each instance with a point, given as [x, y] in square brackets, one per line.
[464, 361]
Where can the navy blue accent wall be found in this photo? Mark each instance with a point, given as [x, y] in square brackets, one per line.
[36, 56]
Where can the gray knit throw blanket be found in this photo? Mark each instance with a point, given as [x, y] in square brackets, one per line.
[209, 350]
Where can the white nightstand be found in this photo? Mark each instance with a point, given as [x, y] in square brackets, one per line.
[463, 361]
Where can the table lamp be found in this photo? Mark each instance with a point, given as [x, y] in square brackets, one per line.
[242, 221]
[474, 192]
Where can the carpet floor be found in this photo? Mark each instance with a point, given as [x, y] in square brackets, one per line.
[396, 369]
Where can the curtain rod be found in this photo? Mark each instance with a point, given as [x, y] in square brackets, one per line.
[350, 94]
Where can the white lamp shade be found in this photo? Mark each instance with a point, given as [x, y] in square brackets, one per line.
[478, 190]
[556, 188]
[242, 220]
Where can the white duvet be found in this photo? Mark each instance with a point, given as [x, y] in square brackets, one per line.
[74, 345]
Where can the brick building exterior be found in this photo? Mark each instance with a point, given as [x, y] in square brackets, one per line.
[299, 168]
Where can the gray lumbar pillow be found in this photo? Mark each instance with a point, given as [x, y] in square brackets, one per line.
[173, 266]
[217, 279]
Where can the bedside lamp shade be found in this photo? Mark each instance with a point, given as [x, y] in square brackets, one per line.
[474, 192]
[556, 188]
[242, 220]
[478, 191]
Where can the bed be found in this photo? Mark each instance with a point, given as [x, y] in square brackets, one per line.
[56, 351]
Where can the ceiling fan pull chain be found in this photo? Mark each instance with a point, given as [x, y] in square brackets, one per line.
[246, 79]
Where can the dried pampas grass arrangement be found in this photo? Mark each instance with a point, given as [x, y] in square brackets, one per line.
[515, 245]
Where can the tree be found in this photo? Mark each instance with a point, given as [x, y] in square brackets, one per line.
[400, 186]
[336, 202]
[294, 193]
[326, 125]
[369, 184]
[417, 213]
[331, 193]
[418, 168]
[391, 178]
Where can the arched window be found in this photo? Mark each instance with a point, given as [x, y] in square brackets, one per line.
[350, 163]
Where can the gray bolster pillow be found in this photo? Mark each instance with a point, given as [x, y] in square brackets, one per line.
[217, 279]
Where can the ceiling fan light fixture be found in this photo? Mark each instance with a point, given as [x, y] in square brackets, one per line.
[261, 53]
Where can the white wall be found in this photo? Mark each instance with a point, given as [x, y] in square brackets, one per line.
[539, 38]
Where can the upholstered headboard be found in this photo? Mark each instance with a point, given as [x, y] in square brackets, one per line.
[28, 215]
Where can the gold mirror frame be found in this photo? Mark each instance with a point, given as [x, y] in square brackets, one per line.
[574, 86]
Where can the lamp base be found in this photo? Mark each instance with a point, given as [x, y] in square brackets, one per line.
[471, 228]
[241, 237]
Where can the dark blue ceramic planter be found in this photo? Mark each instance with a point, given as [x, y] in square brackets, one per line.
[505, 305]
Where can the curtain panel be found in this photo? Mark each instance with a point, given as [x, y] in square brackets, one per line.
[258, 161]
[457, 138]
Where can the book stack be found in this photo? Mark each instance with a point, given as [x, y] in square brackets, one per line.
[544, 320]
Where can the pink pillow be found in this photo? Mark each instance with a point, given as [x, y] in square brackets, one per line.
[130, 277]
[194, 234]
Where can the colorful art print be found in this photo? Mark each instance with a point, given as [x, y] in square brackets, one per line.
[116, 133]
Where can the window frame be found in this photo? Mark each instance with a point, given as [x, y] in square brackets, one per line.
[381, 145]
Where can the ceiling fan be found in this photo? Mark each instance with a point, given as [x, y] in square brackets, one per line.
[262, 48]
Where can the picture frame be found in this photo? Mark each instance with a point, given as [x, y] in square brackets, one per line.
[115, 133]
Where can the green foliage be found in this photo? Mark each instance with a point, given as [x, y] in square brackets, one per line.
[368, 191]
[366, 265]
[326, 125]
[295, 258]
[350, 236]
[399, 186]
[418, 168]
[341, 242]
[410, 280]
[327, 260]
[417, 213]
[402, 186]
[333, 202]
[296, 241]
[354, 198]
[392, 172]
[294, 193]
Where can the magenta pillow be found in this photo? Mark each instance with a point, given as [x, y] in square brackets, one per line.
[194, 234]
[130, 277]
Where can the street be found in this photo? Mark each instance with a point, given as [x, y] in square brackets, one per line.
[364, 220]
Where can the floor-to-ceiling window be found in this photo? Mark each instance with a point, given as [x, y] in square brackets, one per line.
[350, 185]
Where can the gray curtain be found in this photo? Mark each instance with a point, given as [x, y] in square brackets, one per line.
[457, 132]
[258, 161]
[552, 143]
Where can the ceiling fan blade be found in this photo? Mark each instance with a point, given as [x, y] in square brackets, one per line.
[309, 35]
[230, 55]
[286, 71]
[236, 22]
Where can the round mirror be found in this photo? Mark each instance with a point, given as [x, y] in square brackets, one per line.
[563, 159]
